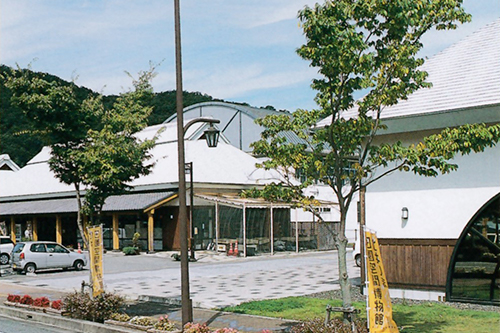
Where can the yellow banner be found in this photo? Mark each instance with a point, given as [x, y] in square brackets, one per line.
[96, 252]
[379, 300]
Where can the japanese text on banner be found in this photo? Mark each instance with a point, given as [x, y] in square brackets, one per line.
[379, 300]
[96, 252]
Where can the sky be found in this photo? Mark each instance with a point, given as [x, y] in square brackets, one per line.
[241, 51]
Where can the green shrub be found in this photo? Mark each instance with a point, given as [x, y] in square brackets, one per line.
[143, 321]
[123, 317]
[130, 250]
[82, 306]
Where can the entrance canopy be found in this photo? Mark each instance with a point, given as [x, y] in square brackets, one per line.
[235, 200]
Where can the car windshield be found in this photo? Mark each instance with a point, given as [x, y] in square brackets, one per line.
[18, 248]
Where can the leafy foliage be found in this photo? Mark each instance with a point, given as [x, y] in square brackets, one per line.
[130, 250]
[92, 146]
[369, 46]
[120, 317]
[82, 306]
[143, 321]
[21, 140]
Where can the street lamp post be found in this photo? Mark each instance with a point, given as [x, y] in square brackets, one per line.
[212, 136]
[189, 169]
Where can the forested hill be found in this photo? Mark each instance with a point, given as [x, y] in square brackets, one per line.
[15, 133]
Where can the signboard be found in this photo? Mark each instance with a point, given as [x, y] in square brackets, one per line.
[379, 301]
[96, 251]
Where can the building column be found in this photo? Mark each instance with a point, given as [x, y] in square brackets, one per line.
[85, 230]
[116, 235]
[59, 229]
[35, 229]
[13, 229]
[244, 230]
[151, 234]
[296, 232]
[217, 226]
[272, 230]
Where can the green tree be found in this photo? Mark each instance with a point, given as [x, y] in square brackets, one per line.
[372, 46]
[93, 147]
[18, 137]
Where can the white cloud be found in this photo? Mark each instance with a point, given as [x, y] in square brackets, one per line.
[232, 82]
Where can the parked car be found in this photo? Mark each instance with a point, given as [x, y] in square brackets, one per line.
[356, 253]
[29, 257]
[6, 246]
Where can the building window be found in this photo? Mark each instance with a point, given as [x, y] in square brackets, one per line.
[474, 272]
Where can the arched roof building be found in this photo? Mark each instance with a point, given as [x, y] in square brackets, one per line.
[237, 121]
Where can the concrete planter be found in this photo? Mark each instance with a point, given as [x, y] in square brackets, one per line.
[153, 330]
[128, 325]
[148, 329]
[34, 308]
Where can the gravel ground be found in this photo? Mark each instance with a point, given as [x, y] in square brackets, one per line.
[358, 297]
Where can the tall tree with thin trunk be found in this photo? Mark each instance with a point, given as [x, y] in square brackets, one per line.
[93, 148]
[371, 46]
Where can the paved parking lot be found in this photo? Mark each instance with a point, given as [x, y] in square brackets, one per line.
[215, 280]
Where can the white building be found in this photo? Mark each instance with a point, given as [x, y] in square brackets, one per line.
[449, 244]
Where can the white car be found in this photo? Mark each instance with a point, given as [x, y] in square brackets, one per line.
[6, 246]
[32, 256]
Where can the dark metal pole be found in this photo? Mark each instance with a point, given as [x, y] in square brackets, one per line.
[362, 224]
[187, 309]
[189, 166]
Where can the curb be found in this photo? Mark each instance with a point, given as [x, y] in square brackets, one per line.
[62, 322]
[176, 301]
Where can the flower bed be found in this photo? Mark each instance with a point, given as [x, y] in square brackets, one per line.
[147, 324]
[42, 304]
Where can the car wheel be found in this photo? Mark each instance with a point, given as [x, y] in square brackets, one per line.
[30, 268]
[78, 265]
[4, 259]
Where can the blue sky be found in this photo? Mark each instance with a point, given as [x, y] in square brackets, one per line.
[241, 51]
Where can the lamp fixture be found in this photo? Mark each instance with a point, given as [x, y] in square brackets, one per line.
[404, 213]
[212, 136]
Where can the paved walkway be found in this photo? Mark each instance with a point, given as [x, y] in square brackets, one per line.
[218, 281]
[215, 281]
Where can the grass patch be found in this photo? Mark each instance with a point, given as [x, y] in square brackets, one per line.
[295, 308]
[427, 317]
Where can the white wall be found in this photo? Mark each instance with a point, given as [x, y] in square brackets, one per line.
[439, 207]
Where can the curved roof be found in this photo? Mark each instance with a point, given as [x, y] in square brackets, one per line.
[465, 75]
[251, 111]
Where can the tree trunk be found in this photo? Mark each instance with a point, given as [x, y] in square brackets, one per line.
[79, 220]
[345, 284]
